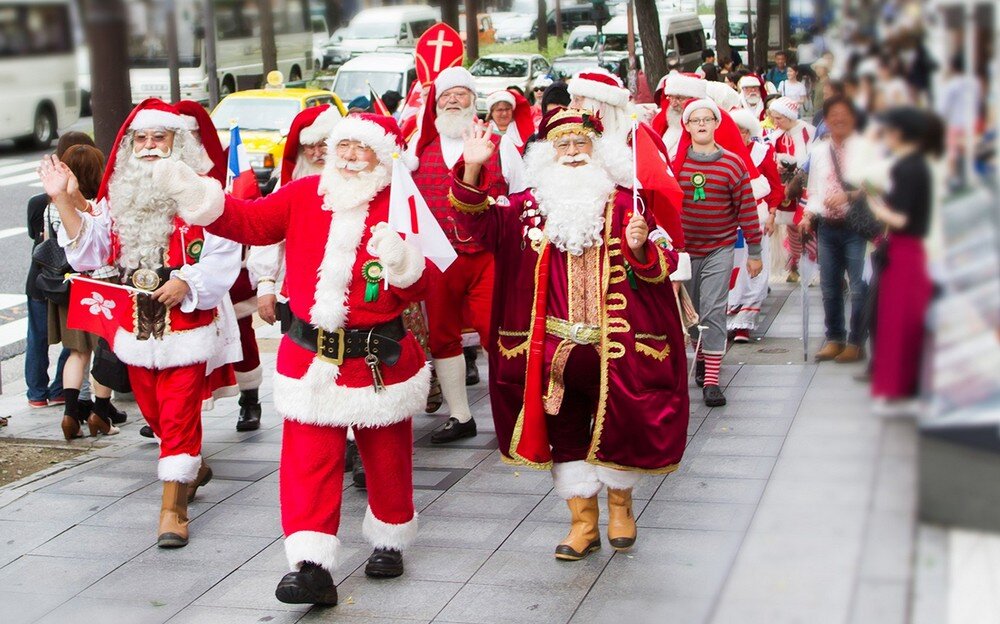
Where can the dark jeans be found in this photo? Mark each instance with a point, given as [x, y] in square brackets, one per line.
[842, 251]
[36, 355]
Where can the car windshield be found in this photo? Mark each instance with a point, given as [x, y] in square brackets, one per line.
[737, 30]
[566, 67]
[352, 84]
[516, 24]
[612, 43]
[499, 68]
[256, 114]
[373, 30]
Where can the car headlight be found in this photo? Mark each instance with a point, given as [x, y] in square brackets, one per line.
[256, 160]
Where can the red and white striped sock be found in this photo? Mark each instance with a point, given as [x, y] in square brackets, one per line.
[712, 365]
[699, 355]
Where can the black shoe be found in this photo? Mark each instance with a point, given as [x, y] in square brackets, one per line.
[350, 455]
[107, 411]
[454, 430]
[358, 475]
[471, 371]
[147, 432]
[713, 396]
[310, 585]
[249, 411]
[699, 373]
[384, 563]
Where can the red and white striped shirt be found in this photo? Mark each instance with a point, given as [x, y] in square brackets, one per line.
[710, 223]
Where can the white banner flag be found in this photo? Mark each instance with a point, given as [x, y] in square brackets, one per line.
[410, 216]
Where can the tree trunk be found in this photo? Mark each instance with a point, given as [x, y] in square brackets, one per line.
[449, 13]
[784, 25]
[334, 14]
[471, 30]
[559, 32]
[722, 49]
[543, 28]
[763, 36]
[107, 29]
[654, 59]
[268, 49]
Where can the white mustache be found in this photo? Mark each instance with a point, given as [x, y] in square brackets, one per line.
[153, 152]
[569, 160]
[351, 166]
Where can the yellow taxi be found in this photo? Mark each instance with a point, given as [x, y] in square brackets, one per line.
[264, 117]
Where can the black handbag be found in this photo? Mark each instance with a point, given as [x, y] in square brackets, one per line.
[859, 218]
[108, 370]
[52, 268]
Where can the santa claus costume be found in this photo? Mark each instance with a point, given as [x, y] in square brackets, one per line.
[463, 295]
[746, 294]
[752, 94]
[678, 90]
[588, 377]
[169, 351]
[346, 360]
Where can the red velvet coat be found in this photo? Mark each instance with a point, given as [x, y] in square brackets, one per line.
[642, 417]
[332, 246]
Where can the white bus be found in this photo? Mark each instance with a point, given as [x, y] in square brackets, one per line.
[238, 50]
[38, 71]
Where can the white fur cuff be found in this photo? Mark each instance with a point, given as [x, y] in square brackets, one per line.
[683, 271]
[250, 380]
[576, 479]
[761, 187]
[319, 548]
[618, 479]
[784, 217]
[384, 535]
[181, 468]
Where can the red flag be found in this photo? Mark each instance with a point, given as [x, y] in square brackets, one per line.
[663, 193]
[378, 106]
[98, 308]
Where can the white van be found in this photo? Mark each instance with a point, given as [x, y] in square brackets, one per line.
[683, 36]
[372, 29]
[385, 71]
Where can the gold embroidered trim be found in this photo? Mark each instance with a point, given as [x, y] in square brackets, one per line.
[617, 301]
[618, 274]
[602, 398]
[650, 336]
[468, 208]
[552, 400]
[510, 354]
[657, 354]
[661, 276]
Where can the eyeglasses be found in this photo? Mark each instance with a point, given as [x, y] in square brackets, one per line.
[157, 136]
[459, 95]
[562, 145]
[701, 121]
[344, 147]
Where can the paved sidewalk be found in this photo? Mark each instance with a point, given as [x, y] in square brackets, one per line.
[793, 504]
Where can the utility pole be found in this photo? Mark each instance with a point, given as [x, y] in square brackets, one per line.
[268, 49]
[107, 36]
[542, 28]
[208, 45]
[559, 30]
[633, 65]
[173, 59]
[471, 30]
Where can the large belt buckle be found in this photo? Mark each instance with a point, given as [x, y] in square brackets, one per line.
[574, 333]
[329, 356]
[145, 279]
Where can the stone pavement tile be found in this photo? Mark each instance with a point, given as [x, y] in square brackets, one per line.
[260, 494]
[220, 551]
[823, 521]
[18, 538]
[389, 598]
[615, 607]
[91, 484]
[240, 470]
[543, 537]
[490, 604]
[133, 512]
[232, 615]
[860, 470]
[746, 425]
[267, 435]
[789, 493]
[710, 490]
[833, 446]
[245, 520]
[453, 565]
[96, 542]
[757, 407]
[251, 450]
[834, 426]
[691, 515]
[226, 432]
[215, 491]
[553, 509]
[466, 532]
[900, 439]
[155, 584]
[765, 394]
[888, 547]
[482, 505]
[730, 467]
[732, 444]
[272, 560]
[931, 571]
[500, 479]
[248, 590]
[17, 610]
[52, 576]
[425, 457]
[87, 610]
[49, 507]
[767, 377]
[538, 571]
[332, 615]
[885, 602]
[779, 609]
[694, 424]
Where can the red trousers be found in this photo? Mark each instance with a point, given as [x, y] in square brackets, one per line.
[170, 401]
[462, 295]
[312, 482]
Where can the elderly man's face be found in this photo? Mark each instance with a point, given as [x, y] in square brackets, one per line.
[745, 135]
[573, 150]
[355, 157]
[751, 94]
[678, 102]
[152, 144]
[502, 114]
[780, 121]
[315, 153]
[455, 99]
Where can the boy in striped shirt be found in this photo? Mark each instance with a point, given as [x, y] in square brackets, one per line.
[717, 198]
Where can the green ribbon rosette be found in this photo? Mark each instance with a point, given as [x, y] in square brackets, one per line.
[698, 180]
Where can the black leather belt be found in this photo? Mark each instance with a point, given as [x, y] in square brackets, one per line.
[381, 341]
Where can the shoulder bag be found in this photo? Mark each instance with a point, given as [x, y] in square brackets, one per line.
[859, 217]
[52, 267]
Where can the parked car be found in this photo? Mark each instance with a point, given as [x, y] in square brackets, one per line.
[564, 67]
[571, 17]
[385, 71]
[387, 26]
[499, 71]
[583, 40]
[684, 39]
[515, 28]
[320, 36]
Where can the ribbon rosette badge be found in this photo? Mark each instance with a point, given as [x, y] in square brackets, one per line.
[372, 272]
[98, 304]
[698, 180]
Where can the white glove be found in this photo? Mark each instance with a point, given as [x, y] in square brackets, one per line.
[403, 261]
[200, 199]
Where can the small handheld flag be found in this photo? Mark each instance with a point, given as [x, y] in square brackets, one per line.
[378, 106]
[241, 182]
[410, 216]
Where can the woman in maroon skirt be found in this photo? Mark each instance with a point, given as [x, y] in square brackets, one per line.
[904, 285]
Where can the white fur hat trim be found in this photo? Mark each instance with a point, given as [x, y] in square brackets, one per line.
[454, 77]
[686, 86]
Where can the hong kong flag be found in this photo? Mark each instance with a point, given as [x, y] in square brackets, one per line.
[241, 182]
[98, 307]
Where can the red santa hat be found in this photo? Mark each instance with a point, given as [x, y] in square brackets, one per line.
[786, 107]
[184, 116]
[722, 94]
[747, 120]
[378, 132]
[447, 79]
[309, 127]
[601, 85]
[500, 96]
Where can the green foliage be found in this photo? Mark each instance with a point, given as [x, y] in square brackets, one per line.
[557, 48]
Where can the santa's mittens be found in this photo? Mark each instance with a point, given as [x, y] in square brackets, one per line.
[200, 199]
[403, 261]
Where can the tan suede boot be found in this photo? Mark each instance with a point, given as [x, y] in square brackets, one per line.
[204, 476]
[584, 535]
[173, 531]
[621, 522]
[829, 351]
[850, 354]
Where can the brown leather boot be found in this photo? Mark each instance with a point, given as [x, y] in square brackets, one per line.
[621, 522]
[829, 351]
[173, 531]
[851, 353]
[584, 536]
[71, 428]
[204, 476]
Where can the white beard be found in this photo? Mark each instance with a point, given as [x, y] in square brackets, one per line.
[675, 127]
[453, 124]
[572, 199]
[345, 193]
[304, 168]
[142, 218]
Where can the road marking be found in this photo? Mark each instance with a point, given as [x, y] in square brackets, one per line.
[18, 167]
[11, 333]
[9, 301]
[7, 234]
[19, 179]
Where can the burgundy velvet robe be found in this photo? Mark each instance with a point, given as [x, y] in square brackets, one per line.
[642, 415]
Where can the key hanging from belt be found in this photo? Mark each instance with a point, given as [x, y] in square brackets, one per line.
[374, 365]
